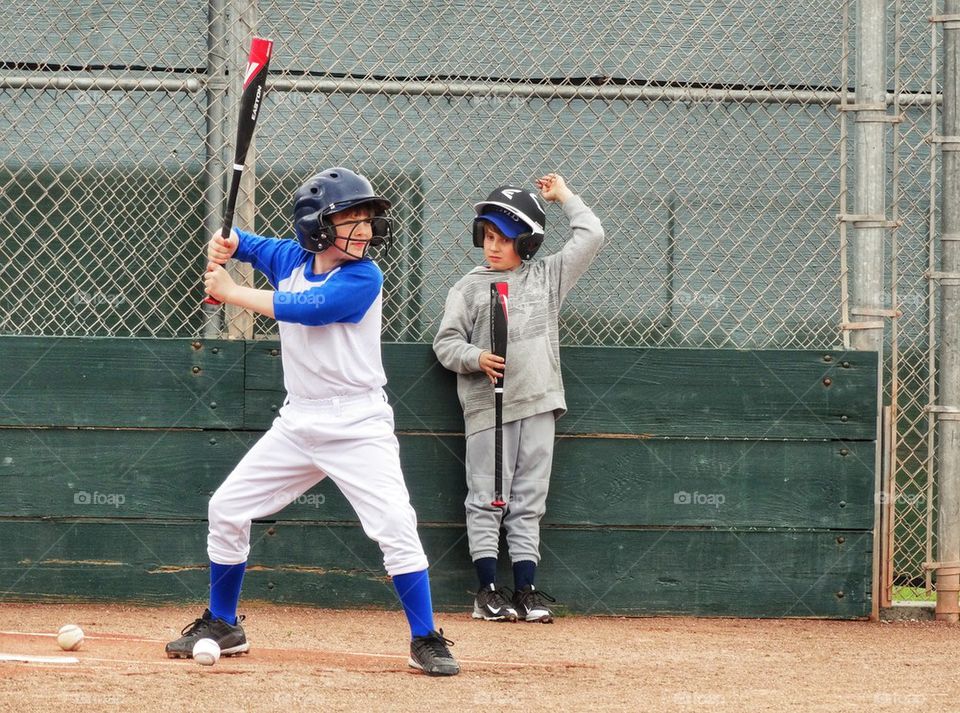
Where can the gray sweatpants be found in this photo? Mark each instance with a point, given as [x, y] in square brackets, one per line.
[527, 461]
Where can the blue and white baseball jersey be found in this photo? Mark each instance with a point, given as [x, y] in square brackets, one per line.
[341, 358]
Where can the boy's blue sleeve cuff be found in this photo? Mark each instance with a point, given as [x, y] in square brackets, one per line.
[243, 245]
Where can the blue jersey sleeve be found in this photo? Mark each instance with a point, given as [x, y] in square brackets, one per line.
[345, 296]
[273, 257]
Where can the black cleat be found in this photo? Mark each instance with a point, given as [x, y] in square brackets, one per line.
[229, 637]
[492, 604]
[531, 605]
[430, 654]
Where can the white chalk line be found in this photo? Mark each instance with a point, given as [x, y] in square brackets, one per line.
[86, 637]
[26, 658]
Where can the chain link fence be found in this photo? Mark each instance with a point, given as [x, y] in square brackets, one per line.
[910, 341]
[706, 136]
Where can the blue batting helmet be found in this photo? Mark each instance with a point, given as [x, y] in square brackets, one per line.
[329, 192]
[517, 213]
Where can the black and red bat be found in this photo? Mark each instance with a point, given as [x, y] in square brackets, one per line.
[254, 84]
[498, 345]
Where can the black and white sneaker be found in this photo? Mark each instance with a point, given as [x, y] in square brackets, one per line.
[430, 654]
[531, 605]
[492, 604]
[230, 638]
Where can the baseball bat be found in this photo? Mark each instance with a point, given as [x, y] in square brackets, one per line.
[498, 345]
[254, 83]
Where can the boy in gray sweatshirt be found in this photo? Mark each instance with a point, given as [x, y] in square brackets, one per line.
[509, 226]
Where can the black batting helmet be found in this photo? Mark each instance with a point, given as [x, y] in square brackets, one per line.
[517, 213]
[329, 192]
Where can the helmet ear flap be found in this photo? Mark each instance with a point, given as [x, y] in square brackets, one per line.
[478, 232]
[312, 232]
[382, 231]
[326, 235]
[528, 244]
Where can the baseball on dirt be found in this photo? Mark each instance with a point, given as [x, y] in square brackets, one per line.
[206, 652]
[70, 637]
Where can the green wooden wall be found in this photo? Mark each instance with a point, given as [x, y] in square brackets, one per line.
[692, 481]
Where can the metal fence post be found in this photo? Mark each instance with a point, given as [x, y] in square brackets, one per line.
[213, 197]
[948, 407]
[869, 220]
[242, 18]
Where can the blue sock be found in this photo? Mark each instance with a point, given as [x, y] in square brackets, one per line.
[486, 570]
[523, 573]
[225, 583]
[413, 589]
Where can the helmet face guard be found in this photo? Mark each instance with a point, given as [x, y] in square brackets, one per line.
[520, 207]
[317, 232]
[333, 191]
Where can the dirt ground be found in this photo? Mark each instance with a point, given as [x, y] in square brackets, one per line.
[352, 660]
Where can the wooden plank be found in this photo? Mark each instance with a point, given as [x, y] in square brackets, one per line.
[703, 393]
[712, 573]
[662, 392]
[171, 474]
[721, 393]
[596, 571]
[116, 473]
[131, 383]
[815, 484]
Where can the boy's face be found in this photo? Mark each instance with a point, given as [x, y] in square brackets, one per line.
[499, 251]
[353, 230]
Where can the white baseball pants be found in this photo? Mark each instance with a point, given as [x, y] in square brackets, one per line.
[350, 440]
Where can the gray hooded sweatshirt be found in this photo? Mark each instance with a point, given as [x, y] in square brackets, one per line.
[532, 380]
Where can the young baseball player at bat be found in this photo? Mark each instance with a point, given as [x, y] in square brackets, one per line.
[509, 226]
[335, 422]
